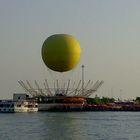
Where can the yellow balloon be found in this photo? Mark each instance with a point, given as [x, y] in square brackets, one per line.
[61, 52]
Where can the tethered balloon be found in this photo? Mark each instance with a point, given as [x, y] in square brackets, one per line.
[61, 52]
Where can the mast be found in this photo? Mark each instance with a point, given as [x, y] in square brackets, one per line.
[83, 79]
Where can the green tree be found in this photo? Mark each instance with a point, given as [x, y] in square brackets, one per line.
[138, 99]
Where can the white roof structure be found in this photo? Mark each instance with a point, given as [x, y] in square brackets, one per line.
[67, 89]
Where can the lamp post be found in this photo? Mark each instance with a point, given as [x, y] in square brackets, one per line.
[83, 79]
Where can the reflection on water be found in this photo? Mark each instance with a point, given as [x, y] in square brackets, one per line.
[70, 126]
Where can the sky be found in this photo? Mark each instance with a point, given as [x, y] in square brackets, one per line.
[108, 32]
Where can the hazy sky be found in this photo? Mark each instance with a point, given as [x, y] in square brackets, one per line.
[108, 31]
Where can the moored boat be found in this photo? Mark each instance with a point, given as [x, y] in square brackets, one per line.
[6, 106]
[60, 103]
[26, 106]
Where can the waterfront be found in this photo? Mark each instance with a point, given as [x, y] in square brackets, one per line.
[70, 126]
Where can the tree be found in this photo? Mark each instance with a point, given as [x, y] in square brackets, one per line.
[137, 99]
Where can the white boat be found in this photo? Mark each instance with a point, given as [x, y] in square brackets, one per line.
[26, 106]
[6, 106]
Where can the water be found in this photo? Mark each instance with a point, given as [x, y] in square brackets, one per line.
[70, 126]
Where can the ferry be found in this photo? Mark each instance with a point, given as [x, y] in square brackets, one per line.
[10, 106]
[6, 106]
[26, 106]
[60, 103]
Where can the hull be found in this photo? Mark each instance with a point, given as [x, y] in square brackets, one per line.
[59, 107]
[7, 110]
[24, 109]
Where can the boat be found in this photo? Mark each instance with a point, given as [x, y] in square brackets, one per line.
[26, 106]
[60, 103]
[6, 106]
